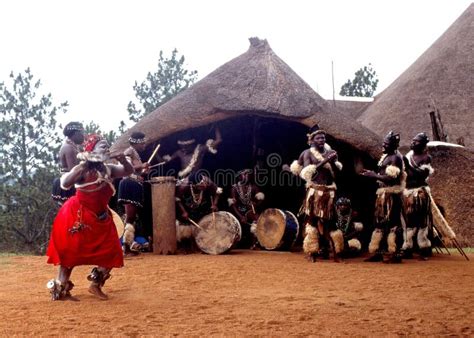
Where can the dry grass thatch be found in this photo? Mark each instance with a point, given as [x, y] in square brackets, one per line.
[353, 109]
[452, 185]
[257, 82]
[445, 73]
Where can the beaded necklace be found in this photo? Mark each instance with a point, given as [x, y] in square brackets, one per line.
[244, 196]
[343, 221]
[197, 198]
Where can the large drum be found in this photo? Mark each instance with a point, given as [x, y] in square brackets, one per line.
[217, 232]
[164, 214]
[118, 223]
[277, 229]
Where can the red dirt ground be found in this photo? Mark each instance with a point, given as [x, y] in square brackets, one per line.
[245, 293]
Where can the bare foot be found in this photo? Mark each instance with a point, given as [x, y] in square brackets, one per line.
[97, 291]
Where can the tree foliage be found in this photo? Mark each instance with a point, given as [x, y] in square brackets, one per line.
[364, 83]
[28, 144]
[110, 136]
[159, 87]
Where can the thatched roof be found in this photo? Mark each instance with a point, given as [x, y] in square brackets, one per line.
[451, 185]
[257, 82]
[444, 72]
[351, 108]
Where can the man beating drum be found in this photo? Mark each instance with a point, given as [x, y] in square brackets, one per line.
[317, 166]
[194, 200]
[244, 202]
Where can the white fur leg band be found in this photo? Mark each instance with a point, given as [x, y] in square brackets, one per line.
[392, 241]
[129, 234]
[183, 232]
[311, 240]
[375, 240]
[423, 240]
[408, 242]
[354, 244]
[338, 240]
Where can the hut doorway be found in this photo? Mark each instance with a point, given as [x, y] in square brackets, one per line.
[267, 143]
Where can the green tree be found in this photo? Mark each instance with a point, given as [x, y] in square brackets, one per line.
[160, 86]
[110, 136]
[28, 144]
[364, 83]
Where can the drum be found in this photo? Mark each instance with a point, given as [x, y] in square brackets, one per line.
[277, 229]
[164, 214]
[217, 232]
[118, 223]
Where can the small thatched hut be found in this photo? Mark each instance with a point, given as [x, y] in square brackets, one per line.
[442, 77]
[262, 107]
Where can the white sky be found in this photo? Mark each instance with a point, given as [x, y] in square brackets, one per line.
[90, 52]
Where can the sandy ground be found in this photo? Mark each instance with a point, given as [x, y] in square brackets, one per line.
[245, 293]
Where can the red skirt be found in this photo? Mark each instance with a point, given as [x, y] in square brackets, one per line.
[79, 237]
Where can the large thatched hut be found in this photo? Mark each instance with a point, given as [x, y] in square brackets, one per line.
[441, 78]
[264, 110]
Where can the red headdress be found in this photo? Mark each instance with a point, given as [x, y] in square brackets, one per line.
[91, 141]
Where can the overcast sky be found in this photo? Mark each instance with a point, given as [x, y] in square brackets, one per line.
[90, 52]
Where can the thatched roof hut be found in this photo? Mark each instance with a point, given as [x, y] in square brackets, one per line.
[444, 74]
[262, 108]
[259, 83]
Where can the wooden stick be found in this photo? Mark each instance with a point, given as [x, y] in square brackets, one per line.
[195, 224]
[461, 251]
[440, 239]
[154, 153]
[156, 165]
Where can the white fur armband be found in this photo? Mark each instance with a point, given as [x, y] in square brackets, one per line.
[392, 171]
[295, 167]
[231, 201]
[358, 226]
[210, 146]
[427, 167]
[219, 190]
[338, 165]
[308, 172]
[260, 196]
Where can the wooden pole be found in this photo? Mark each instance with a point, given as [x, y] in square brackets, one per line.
[164, 215]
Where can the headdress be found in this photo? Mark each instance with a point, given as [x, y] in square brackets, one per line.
[137, 137]
[186, 142]
[422, 138]
[392, 138]
[313, 131]
[343, 201]
[91, 141]
[71, 128]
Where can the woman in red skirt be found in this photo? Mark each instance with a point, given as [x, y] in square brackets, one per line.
[84, 232]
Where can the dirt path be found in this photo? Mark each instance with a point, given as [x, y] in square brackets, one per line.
[245, 293]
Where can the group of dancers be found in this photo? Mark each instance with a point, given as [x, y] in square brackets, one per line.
[84, 232]
[402, 216]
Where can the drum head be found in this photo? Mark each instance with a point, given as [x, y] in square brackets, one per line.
[271, 228]
[118, 223]
[217, 233]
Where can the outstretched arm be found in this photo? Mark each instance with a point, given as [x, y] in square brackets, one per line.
[122, 170]
[392, 171]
